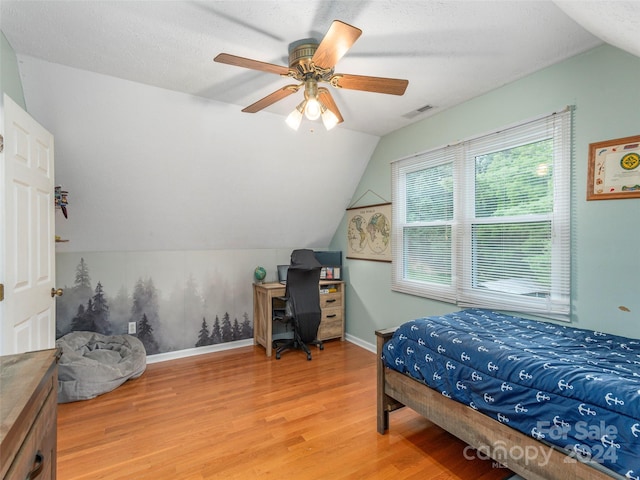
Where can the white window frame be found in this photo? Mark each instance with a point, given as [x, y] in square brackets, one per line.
[461, 291]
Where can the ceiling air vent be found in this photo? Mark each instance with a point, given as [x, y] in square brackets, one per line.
[418, 111]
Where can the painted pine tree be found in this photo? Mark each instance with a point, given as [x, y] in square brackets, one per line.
[82, 283]
[246, 330]
[144, 311]
[67, 318]
[203, 337]
[145, 335]
[216, 332]
[227, 333]
[83, 320]
[101, 311]
[236, 333]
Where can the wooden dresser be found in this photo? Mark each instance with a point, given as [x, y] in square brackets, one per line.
[28, 415]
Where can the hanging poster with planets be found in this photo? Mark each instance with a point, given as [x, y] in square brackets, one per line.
[369, 232]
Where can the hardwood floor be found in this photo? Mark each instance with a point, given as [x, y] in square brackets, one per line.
[239, 415]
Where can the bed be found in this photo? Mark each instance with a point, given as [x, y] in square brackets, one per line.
[547, 401]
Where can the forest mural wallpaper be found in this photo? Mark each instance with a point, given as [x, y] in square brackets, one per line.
[178, 300]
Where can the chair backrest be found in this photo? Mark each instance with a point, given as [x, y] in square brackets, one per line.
[302, 291]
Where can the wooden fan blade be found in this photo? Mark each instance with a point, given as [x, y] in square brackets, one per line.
[325, 98]
[338, 40]
[271, 98]
[253, 64]
[393, 86]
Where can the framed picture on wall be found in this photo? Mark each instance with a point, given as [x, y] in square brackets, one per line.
[369, 232]
[614, 169]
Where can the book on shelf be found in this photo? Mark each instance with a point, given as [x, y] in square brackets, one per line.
[330, 273]
[328, 289]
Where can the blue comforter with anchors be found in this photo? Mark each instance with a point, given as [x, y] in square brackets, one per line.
[576, 389]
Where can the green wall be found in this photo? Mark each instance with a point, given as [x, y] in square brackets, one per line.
[603, 85]
[9, 76]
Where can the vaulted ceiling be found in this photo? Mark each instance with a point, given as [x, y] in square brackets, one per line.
[91, 71]
[450, 51]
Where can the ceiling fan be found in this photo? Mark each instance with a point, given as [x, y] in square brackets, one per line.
[311, 63]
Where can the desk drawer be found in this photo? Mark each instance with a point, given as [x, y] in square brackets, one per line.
[330, 300]
[331, 325]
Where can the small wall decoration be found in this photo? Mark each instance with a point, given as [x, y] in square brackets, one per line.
[369, 232]
[61, 200]
[614, 169]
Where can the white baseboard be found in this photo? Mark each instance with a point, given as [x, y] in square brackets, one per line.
[361, 343]
[190, 352]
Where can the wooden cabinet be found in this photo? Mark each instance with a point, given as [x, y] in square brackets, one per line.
[28, 415]
[332, 305]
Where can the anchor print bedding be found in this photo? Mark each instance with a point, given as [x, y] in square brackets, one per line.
[576, 389]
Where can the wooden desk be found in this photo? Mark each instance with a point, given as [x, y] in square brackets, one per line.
[331, 303]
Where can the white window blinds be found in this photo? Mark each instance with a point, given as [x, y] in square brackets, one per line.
[486, 222]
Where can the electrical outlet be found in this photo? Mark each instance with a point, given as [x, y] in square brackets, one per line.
[132, 328]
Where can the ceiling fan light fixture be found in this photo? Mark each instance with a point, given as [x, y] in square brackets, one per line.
[294, 119]
[311, 62]
[313, 110]
[329, 119]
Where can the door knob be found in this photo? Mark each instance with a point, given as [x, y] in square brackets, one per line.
[57, 292]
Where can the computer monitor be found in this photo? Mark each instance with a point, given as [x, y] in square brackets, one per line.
[329, 258]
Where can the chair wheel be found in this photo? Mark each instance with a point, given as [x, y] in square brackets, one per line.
[321, 347]
[308, 356]
[277, 356]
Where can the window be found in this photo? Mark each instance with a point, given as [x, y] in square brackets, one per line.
[485, 222]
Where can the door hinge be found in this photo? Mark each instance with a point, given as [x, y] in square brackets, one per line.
[1, 292]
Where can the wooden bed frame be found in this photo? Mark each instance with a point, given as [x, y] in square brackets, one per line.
[493, 439]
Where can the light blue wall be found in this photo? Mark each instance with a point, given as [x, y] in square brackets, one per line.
[9, 76]
[604, 86]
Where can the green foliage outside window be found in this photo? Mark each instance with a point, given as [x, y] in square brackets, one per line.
[512, 182]
[515, 181]
[485, 222]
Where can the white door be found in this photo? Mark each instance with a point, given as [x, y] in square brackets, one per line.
[27, 235]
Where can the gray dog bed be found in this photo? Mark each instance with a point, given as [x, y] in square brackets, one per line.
[92, 364]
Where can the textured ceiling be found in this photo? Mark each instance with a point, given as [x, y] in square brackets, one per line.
[616, 22]
[449, 50]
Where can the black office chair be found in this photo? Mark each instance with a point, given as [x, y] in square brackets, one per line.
[300, 307]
